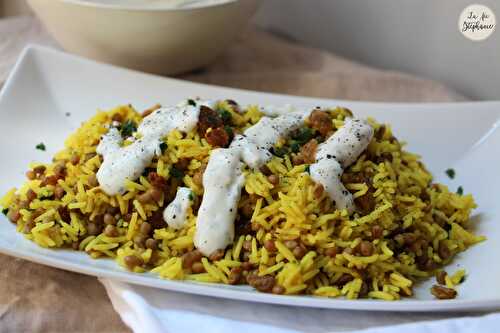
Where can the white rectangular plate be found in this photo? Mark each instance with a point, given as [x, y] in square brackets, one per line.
[46, 84]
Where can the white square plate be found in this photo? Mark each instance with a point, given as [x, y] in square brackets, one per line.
[46, 84]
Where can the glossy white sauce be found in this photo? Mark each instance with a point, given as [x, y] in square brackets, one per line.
[129, 162]
[175, 214]
[223, 179]
[338, 152]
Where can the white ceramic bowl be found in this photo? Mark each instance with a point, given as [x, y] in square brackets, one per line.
[155, 39]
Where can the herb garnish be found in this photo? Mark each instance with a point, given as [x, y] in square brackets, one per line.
[460, 190]
[280, 152]
[163, 147]
[40, 146]
[191, 102]
[176, 173]
[5, 211]
[308, 169]
[226, 116]
[191, 196]
[303, 135]
[450, 173]
[229, 130]
[294, 146]
[128, 128]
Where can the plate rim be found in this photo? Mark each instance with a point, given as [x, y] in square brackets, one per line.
[404, 305]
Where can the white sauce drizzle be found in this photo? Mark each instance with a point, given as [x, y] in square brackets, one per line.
[223, 179]
[129, 162]
[176, 212]
[339, 151]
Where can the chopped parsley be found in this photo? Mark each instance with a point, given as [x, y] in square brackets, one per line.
[228, 130]
[460, 190]
[308, 169]
[226, 116]
[191, 102]
[40, 146]
[295, 146]
[128, 128]
[176, 173]
[191, 196]
[5, 211]
[163, 147]
[303, 135]
[450, 173]
[280, 152]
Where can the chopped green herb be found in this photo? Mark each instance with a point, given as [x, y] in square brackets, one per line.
[191, 196]
[176, 173]
[308, 169]
[5, 211]
[46, 197]
[229, 130]
[303, 135]
[40, 146]
[128, 128]
[450, 173]
[281, 151]
[460, 190]
[226, 116]
[295, 146]
[191, 102]
[163, 147]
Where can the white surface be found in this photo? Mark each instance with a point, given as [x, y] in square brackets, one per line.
[419, 37]
[46, 84]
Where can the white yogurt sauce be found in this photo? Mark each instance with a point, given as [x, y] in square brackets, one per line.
[129, 162]
[223, 179]
[176, 212]
[339, 151]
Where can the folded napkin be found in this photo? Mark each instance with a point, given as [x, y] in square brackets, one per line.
[152, 310]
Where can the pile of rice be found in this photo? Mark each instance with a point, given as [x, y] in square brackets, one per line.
[289, 237]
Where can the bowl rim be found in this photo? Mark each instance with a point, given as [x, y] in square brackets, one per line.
[143, 8]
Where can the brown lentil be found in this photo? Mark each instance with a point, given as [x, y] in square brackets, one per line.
[366, 248]
[13, 215]
[217, 255]
[270, 246]
[31, 195]
[235, 275]
[377, 232]
[151, 244]
[145, 228]
[109, 219]
[441, 277]
[331, 252]
[59, 192]
[93, 229]
[132, 262]
[441, 292]
[111, 231]
[92, 181]
[197, 268]
[299, 252]
[273, 179]
[189, 258]
[30, 174]
[278, 290]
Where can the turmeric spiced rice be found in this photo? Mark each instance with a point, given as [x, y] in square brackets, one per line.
[289, 236]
